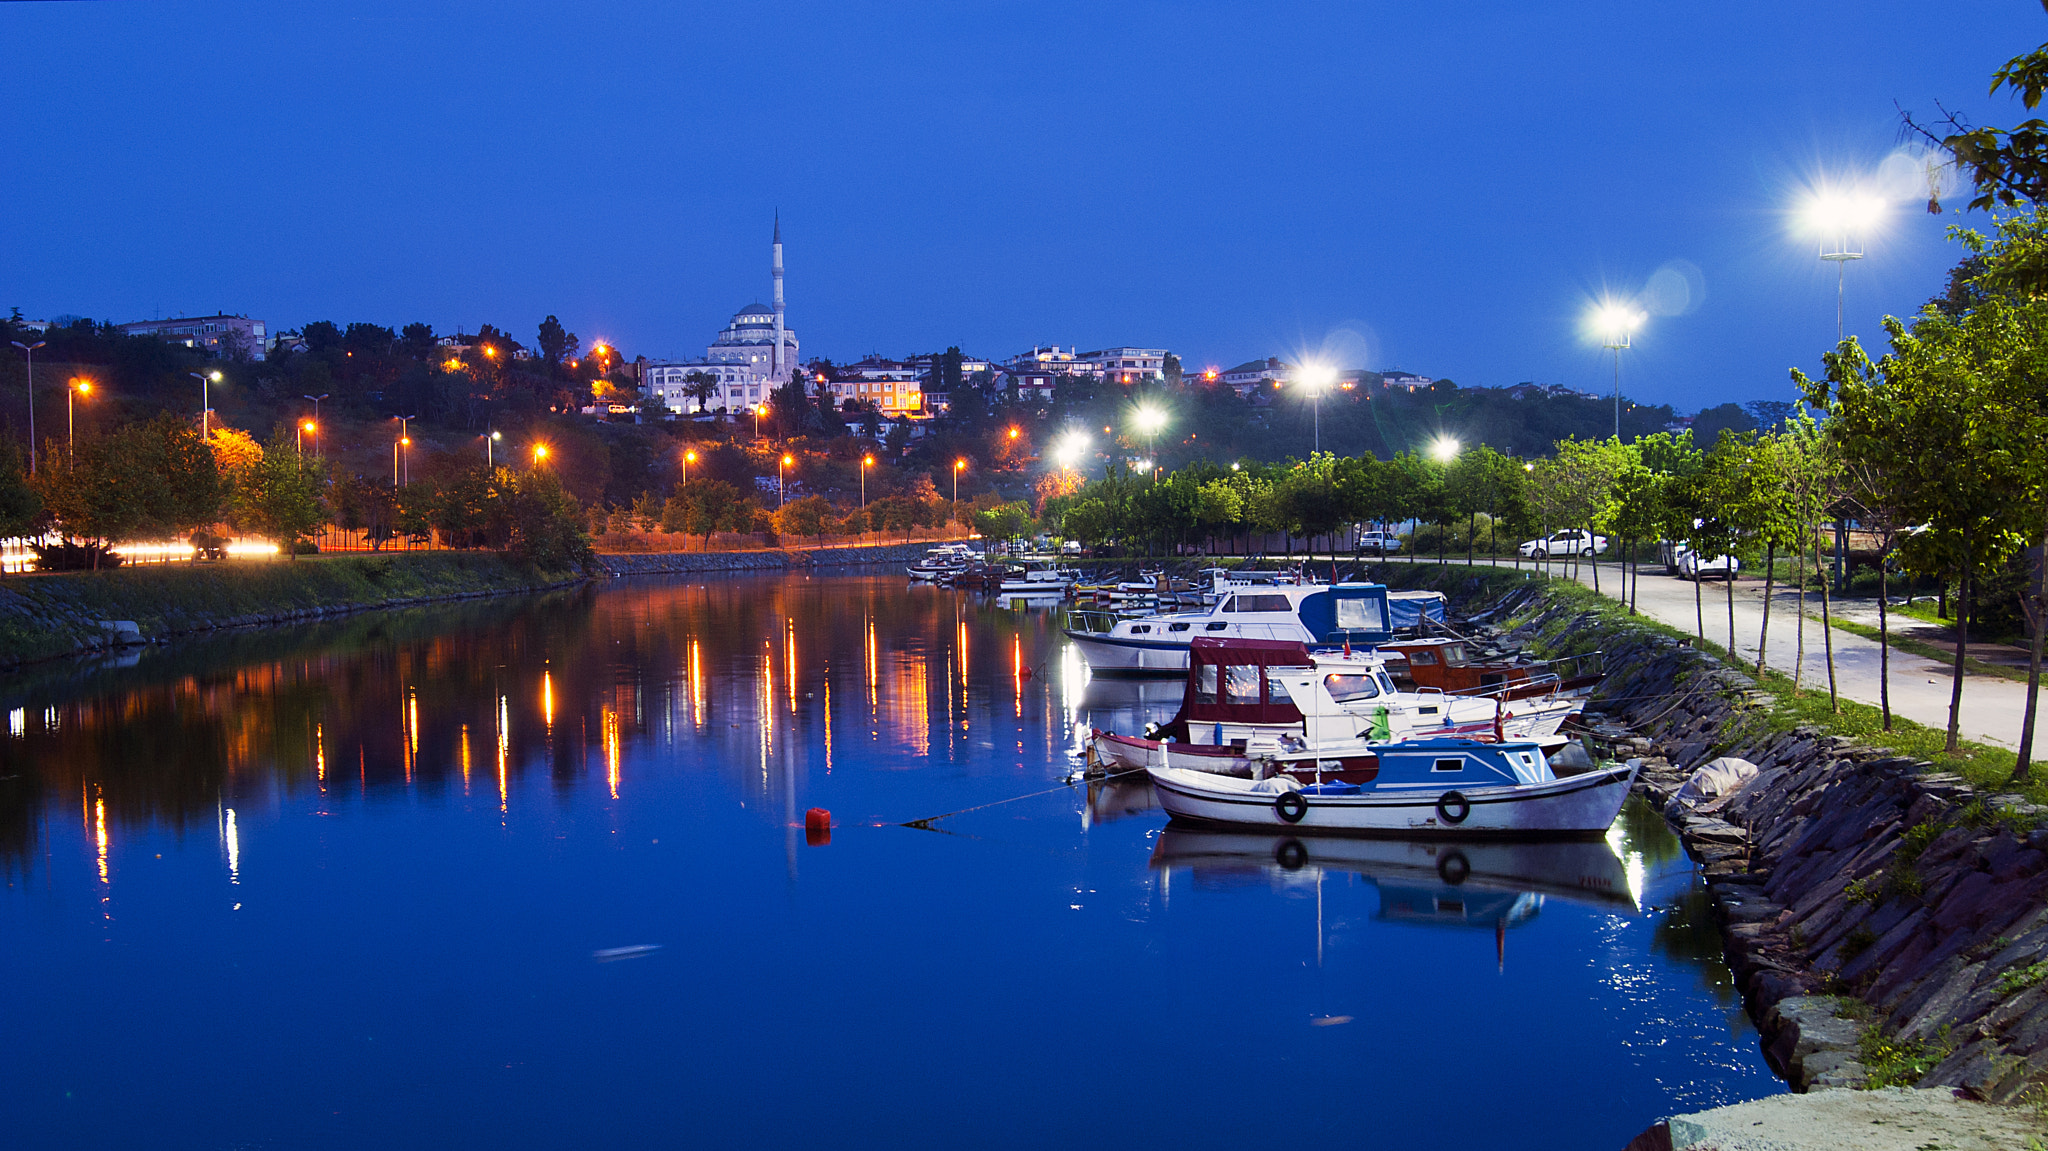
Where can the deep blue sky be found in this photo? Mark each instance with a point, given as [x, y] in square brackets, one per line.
[1439, 187]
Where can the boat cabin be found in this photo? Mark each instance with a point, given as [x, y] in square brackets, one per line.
[1447, 664]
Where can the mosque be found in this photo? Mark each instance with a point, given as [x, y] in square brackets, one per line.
[752, 357]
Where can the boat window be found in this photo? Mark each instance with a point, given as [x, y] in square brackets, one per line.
[1386, 684]
[1178, 626]
[1422, 658]
[1449, 765]
[1241, 683]
[1528, 760]
[1360, 615]
[1205, 684]
[1454, 654]
[1229, 604]
[1219, 625]
[1142, 629]
[1346, 687]
[1262, 603]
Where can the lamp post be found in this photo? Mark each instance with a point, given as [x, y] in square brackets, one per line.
[1317, 379]
[1150, 420]
[1616, 323]
[29, 350]
[866, 462]
[1839, 219]
[689, 457]
[759, 411]
[77, 388]
[958, 466]
[780, 466]
[490, 457]
[540, 454]
[405, 441]
[316, 416]
[307, 427]
[206, 381]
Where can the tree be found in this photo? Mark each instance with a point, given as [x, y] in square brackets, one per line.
[809, 516]
[700, 386]
[280, 496]
[21, 509]
[556, 343]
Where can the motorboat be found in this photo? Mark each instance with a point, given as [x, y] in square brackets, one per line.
[1329, 615]
[1424, 787]
[943, 561]
[1035, 581]
[1237, 710]
[1453, 666]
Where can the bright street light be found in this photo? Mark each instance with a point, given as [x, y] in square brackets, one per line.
[306, 428]
[958, 466]
[29, 350]
[1444, 450]
[1318, 378]
[540, 454]
[1615, 324]
[759, 411]
[689, 457]
[866, 462]
[490, 457]
[79, 387]
[206, 380]
[1150, 420]
[1070, 449]
[784, 462]
[1840, 221]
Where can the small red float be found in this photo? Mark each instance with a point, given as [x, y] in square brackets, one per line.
[817, 827]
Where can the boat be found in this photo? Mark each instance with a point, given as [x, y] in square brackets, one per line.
[943, 561]
[1237, 710]
[1037, 580]
[1330, 615]
[1423, 787]
[1451, 665]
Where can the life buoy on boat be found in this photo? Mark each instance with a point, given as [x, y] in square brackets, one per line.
[1290, 806]
[1290, 855]
[1453, 868]
[1452, 808]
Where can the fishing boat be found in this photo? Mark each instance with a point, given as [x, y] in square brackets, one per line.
[1037, 580]
[1236, 709]
[1329, 615]
[1453, 666]
[941, 562]
[1423, 787]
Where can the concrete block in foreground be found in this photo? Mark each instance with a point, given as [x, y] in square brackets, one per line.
[1891, 1119]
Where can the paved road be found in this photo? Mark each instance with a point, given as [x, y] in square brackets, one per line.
[1992, 707]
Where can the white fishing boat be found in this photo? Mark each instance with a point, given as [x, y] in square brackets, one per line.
[1236, 708]
[1328, 615]
[1425, 787]
[943, 561]
[1036, 581]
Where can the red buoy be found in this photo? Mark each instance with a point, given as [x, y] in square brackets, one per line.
[817, 827]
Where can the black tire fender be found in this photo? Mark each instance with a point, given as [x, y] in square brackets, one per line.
[1453, 868]
[1291, 806]
[1451, 808]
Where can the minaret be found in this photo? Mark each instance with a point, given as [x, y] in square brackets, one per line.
[777, 369]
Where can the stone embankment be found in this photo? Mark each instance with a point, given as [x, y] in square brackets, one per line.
[1886, 923]
[659, 563]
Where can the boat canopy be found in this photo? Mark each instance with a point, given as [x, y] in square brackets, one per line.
[1354, 613]
[1410, 609]
[1227, 683]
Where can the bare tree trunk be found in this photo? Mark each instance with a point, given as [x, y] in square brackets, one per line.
[2036, 605]
[1884, 639]
[1763, 635]
[1827, 630]
[1729, 585]
[1963, 609]
[1799, 626]
[1699, 612]
[1593, 559]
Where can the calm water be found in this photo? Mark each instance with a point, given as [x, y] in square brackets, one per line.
[354, 885]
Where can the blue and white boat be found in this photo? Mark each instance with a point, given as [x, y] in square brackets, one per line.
[1423, 787]
[1325, 615]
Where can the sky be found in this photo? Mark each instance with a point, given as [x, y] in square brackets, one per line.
[1443, 188]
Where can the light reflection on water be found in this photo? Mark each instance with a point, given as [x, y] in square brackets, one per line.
[405, 940]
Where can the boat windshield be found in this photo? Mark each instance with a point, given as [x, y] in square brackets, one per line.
[1454, 654]
[1347, 686]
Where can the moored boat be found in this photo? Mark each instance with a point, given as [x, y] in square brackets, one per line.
[1424, 787]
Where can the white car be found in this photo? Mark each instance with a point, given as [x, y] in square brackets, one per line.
[1379, 542]
[1681, 561]
[1571, 543]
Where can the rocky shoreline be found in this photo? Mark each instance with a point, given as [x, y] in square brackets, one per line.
[1887, 924]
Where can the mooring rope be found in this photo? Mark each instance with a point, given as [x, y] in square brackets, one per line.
[1068, 785]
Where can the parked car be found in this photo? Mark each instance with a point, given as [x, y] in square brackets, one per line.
[1379, 542]
[1680, 560]
[1570, 543]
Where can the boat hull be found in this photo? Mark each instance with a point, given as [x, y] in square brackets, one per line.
[1131, 657]
[1579, 805]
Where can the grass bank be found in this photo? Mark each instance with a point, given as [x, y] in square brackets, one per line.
[1601, 617]
[42, 616]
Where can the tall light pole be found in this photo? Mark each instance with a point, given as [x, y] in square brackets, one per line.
[77, 388]
[780, 465]
[1616, 323]
[958, 466]
[1318, 379]
[316, 416]
[490, 439]
[1150, 420]
[401, 442]
[540, 454]
[759, 410]
[689, 457]
[29, 350]
[866, 462]
[206, 382]
[1840, 219]
[307, 427]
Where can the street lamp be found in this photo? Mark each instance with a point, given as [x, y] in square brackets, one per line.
[490, 457]
[406, 443]
[316, 415]
[540, 454]
[29, 350]
[1150, 420]
[1840, 219]
[78, 387]
[307, 427]
[959, 466]
[866, 462]
[1616, 323]
[405, 440]
[689, 457]
[1317, 379]
[206, 380]
[780, 465]
[1444, 450]
[759, 411]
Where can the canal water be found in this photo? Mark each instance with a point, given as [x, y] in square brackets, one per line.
[533, 873]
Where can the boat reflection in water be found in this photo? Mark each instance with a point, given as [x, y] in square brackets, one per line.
[1490, 885]
[1129, 704]
[1117, 796]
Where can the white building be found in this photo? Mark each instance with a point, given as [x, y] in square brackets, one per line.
[218, 335]
[749, 359]
[1124, 365]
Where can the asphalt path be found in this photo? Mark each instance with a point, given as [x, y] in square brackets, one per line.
[1992, 707]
